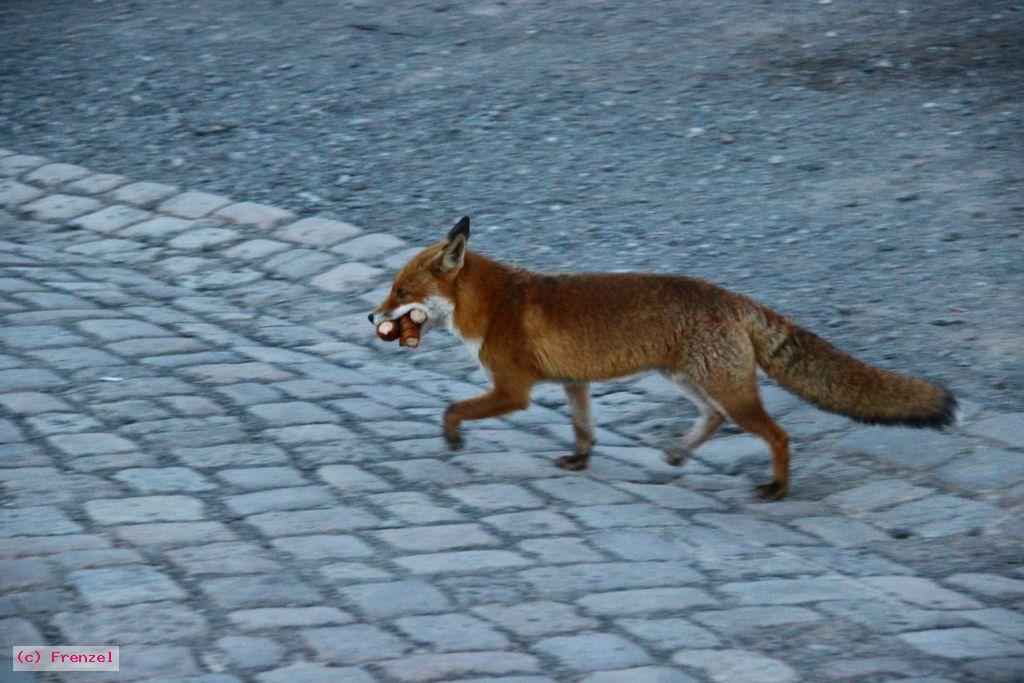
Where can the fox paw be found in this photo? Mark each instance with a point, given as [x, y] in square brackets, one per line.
[573, 463]
[454, 440]
[676, 456]
[774, 491]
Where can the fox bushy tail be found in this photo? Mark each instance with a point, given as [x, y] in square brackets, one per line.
[813, 369]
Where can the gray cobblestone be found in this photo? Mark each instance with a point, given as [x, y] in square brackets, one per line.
[609, 576]
[452, 632]
[32, 402]
[248, 393]
[56, 207]
[164, 480]
[581, 491]
[226, 455]
[299, 263]
[174, 533]
[20, 574]
[152, 622]
[89, 559]
[193, 204]
[795, 591]
[346, 277]
[256, 249]
[559, 550]
[255, 478]
[323, 547]
[337, 518]
[369, 246]
[250, 213]
[200, 239]
[314, 673]
[223, 558]
[124, 586]
[142, 194]
[1000, 620]
[91, 443]
[921, 591]
[840, 531]
[17, 164]
[353, 644]
[961, 643]
[531, 523]
[67, 423]
[250, 652]
[744, 619]
[437, 538]
[641, 545]
[261, 590]
[669, 633]
[271, 617]
[984, 468]
[938, 516]
[118, 329]
[144, 509]
[292, 412]
[988, 584]
[52, 175]
[904, 447]
[461, 561]
[111, 218]
[644, 600]
[593, 651]
[13, 193]
[97, 183]
[426, 470]
[415, 508]
[879, 494]
[310, 433]
[228, 373]
[158, 227]
[317, 231]
[297, 498]
[631, 515]
[1006, 427]
[443, 667]
[650, 674]
[737, 666]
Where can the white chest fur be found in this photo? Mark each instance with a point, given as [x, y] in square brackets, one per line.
[439, 309]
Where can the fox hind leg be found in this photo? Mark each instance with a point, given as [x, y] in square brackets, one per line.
[742, 405]
[578, 395]
[709, 419]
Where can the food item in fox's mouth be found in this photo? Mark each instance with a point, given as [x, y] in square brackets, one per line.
[406, 329]
[388, 330]
[409, 334]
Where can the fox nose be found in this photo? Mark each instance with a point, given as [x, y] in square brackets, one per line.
[370, 317]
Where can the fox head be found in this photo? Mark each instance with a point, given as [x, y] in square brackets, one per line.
[427, 281]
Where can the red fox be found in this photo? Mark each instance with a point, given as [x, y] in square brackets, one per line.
[528, 327]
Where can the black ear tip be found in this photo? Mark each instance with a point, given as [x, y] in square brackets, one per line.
[461, 228]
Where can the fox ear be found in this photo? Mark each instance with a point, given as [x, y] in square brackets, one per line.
[461, 228]
[454, 253]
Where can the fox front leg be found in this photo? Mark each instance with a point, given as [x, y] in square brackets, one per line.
[497, 401]
[578, 395]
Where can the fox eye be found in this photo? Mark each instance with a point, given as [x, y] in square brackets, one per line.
[401, 293]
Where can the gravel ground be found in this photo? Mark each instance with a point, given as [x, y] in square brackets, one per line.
[857, 165]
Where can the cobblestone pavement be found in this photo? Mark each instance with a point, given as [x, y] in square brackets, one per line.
[208, 459]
